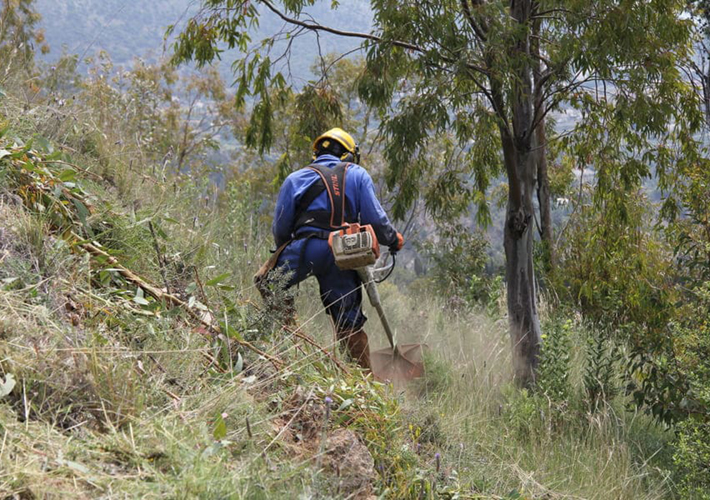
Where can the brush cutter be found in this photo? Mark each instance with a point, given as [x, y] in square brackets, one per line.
[397, 363]
[355, 247]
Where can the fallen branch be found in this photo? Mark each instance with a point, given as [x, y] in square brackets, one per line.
[205, 319]
[315, 344]
[161, 261]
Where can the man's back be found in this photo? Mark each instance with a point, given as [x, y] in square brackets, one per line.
[361, 202]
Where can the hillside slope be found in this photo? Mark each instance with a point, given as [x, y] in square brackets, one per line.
[137, 361]
[125, 390]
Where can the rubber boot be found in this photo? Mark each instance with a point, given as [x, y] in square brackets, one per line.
[358, 347]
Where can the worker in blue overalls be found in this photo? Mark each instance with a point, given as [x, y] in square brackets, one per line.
[313, 201]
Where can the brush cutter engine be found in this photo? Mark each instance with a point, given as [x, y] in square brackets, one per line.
[354, 247]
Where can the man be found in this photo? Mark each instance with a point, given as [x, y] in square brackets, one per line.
[312, 202]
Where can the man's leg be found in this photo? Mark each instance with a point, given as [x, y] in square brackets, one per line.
[341, 294]
[357, 345]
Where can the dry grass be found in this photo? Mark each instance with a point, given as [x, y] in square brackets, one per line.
[116, 400]
[501, 439]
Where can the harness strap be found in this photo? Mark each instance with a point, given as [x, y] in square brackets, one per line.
[331, 180]
[319, 235]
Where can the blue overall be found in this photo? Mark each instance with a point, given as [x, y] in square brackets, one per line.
[339, 290]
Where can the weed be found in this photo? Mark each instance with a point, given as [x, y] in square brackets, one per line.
[554, 369]
[600, 370]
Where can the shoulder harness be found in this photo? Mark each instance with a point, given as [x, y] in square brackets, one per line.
[331, 180]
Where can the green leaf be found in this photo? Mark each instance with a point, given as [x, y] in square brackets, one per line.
[8, 385]
[67, 175]
[218, 279]
[83, 213]
[55, 155]
[76, 466]
[160, 231]
[239, 365]
[345, 404]
[42, 144]
[141, 301]
[220, 428]
[140, 298]
[231, 332]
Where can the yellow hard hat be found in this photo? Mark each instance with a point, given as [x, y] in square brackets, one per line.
[341, 137]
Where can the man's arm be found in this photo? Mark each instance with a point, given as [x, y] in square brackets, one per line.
[371, 212]
[282, 227]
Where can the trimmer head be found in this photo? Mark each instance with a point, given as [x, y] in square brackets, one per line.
[398, 364]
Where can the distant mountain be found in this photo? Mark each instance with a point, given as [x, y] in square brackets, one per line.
[124, 29]
[135, 28]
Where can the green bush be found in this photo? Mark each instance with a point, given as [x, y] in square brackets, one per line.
[692, 458]
[601, 361]
[692, 349]
[617, 269]
[457, 259]
[619, 272]
[553, 372]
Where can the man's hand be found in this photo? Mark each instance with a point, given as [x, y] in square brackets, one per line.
[398, 244]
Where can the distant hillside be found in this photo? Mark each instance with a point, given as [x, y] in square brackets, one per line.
[124, 29]
[135, 29]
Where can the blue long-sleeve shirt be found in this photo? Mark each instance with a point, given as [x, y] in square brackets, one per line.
[359, 196]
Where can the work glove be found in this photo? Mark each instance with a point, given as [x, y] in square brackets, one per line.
[398, 244]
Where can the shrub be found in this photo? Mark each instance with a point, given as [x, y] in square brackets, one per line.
[619, 272]
[457, 258]
[692, 348]
[600, 369]
[554, 368]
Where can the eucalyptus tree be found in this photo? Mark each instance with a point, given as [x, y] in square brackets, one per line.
[700, 11]
[487, 73]
[19, 36]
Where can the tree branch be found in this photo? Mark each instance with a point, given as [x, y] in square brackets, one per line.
[204, 318]
[478, 30]
[364, 36]
[547, 13]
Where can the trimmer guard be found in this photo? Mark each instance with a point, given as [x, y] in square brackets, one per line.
[396, 364]
[399, 364]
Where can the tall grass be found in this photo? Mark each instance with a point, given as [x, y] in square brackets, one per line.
[116, 399]
[501, 439]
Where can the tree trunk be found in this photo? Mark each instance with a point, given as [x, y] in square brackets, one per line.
[519, 159]
[543, 195]
[543, 180]
[525, 333]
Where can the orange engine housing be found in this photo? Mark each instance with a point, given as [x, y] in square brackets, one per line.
[354, 247]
